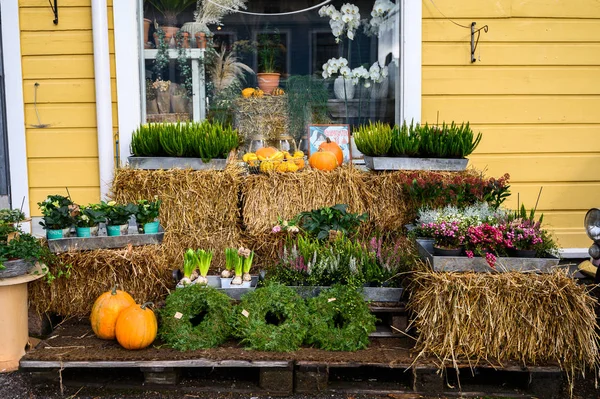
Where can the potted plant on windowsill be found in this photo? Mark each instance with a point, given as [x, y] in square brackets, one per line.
[88, 220]
[170, 9]
[268, 48]
[146, 216]
[58, 216]
[117, 217]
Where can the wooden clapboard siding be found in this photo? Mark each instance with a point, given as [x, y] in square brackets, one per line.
[60, 59]
[534, 93]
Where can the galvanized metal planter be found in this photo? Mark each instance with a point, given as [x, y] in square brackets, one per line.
[478, 264]
[374, 294]
[103, 241]
[154, 163]
[405, 163]
[14, 268]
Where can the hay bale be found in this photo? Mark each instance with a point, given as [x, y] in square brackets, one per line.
[267, 116]
[504, 317]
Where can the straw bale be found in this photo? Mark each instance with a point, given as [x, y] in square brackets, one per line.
[266, 116]
[144, 272]
[496, 318]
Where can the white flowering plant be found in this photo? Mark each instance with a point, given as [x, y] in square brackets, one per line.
[375, 74]
[380, 11]
[345, 21]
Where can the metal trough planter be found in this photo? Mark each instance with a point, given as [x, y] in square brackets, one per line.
[478, 264]
[102, 241]
[406, 163]
[154, 163]
[233, 293]
[371, 294]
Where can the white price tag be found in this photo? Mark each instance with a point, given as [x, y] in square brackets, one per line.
[245, 313]
[178, 315]
[331, 300]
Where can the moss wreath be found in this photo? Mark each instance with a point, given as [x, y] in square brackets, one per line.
[271, 318]
[341, 320]
[196, 317]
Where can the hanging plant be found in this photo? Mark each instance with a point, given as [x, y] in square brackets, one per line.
[185, 72]
[162, 56]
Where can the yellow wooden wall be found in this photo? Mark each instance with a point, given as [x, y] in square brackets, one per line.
[60, 58]
[534, 94]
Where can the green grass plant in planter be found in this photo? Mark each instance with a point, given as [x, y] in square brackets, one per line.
[341, 320]
[447, 141]
[146, 215]
[211, 140]
[204, 321]
[117, 217]
[271, 318]
[145, 141]
[88, 219]
[58, 216]
[405, 141]
[374, 139]
[174, 140]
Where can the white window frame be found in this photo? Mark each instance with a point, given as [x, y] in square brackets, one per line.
[127, 19]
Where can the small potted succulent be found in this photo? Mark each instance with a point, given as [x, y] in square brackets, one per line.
[88, 219]
[58, 216]
[146, 216]
[117, 217]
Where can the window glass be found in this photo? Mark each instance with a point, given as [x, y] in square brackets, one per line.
[333, 64]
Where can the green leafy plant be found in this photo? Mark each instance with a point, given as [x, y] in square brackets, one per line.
[170, 9]
[374, 139]
[183, 62]
[58, 212]
[161, 61]
[117, 214]
[24, 246]
[320, 221]
[147, 211]
[307, 103]
[90, 216]
[11, 216]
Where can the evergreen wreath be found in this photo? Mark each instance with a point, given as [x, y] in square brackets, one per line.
[196, 317]
[271, 318]
[341, 320]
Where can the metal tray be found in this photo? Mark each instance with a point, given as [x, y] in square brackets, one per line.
[406, 163]
[478, 264]
[102, 241]
[374, 294]
[154, 163]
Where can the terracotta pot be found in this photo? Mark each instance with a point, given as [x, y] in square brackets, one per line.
[200, 40]
[267, 82]
[179, 104]
[170, 32]
[151, 106]
[147, 23]
[163, 99]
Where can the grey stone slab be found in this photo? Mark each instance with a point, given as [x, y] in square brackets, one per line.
[154, 163]
[102, 241]
[406, 163]
[14, 268]
[478, 264]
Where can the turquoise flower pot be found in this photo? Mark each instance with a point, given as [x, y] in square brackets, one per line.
[84, 232]
[54, 234]
[151, 228]
[115, 230]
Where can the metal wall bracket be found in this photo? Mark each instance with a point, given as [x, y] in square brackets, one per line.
[54, 10]
[475, 42]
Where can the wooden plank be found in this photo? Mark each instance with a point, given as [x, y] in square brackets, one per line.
[565, 196]
[63, 90]
[563, 219]
[81, 195]
[572, 238]
[61, 66]
[70, 18]
[59, 143]
[466, 9]
[63, 172]
[38, 364]
[556, 9]
[65, 115]
[480, 79]
[514, 139]
[493, 53]
[512, 109]
[513, 30]
[63, 3]
[540, 167]
[61, 42]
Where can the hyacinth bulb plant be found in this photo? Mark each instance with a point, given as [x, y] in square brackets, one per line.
[190, 263]
[203, 259]
[231, 261]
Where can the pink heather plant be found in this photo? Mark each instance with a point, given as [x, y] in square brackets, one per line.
[486, 240]
[523, 234]
[447, 234]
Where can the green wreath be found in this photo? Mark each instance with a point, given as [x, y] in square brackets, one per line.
[196, 317]
[341, 320]
[272, 318]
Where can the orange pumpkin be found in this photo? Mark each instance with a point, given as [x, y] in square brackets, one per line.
[105, 311]
[266, 152]
[323, 160]
[334, 148]
[136, 327]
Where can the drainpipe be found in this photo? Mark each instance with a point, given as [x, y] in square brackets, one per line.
[103, 95]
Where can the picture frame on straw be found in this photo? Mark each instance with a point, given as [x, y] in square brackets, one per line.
[338, 133]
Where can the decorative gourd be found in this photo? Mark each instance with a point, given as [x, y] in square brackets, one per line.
[136, 327]
[334, 148]
[248, 92]
[105, 311]
[258, 93]
[277, 92]
[323, 160]
[266, 152]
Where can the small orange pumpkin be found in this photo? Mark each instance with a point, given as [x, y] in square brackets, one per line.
[105, 311]
[334, 148]
[323, 160]
[266, 152]
[136, 327]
